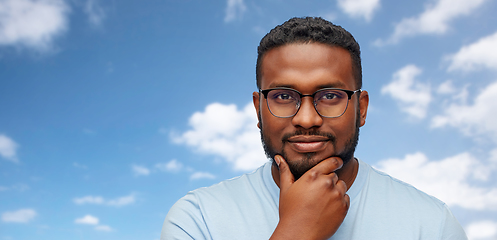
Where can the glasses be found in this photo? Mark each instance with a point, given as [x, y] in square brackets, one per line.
[328, 102]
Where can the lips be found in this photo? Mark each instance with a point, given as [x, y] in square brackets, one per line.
[308, 143]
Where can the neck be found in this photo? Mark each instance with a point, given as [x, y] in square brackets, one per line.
[347, 173]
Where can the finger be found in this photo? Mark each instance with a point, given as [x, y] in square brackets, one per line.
[334, 178]
[286, 176]
[347, 200]
[329, 165]
[331, 181]
[341, 186]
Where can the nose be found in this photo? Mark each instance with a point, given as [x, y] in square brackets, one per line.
[307, 117]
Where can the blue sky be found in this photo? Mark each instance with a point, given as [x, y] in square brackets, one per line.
[110, 111]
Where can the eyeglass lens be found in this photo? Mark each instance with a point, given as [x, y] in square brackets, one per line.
[327, 102]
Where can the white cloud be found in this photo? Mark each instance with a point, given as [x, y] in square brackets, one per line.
[225, 131]
[171, 166]
[234, 10]
[434, 20]
[446, 87]
[201, 175]
[19, 216]
[32, 24]
[92, 220]
[480, 54]
[493, 156]
[330, 16]
[89, 199]
[104, 228]
[88, 219]
[122, 201]
[118, 202]
[140, 170]
[482, 230]
[449, 179]
[453, 94]
[95, 12]
[413, 97]
[477, 119]
[359, 8]
[176, 166]
[8, 148]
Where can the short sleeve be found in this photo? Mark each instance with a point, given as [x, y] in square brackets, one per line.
[185, 221]
[451, 229]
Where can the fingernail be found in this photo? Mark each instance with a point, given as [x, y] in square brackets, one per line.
[277, 160]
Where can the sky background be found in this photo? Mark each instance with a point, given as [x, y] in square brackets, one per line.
[110, 111]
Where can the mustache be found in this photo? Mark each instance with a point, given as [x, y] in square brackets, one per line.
[330, 136]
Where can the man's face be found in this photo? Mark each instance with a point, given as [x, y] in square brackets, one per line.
[307, 138]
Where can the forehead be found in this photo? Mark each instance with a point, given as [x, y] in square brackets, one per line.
[307, 67]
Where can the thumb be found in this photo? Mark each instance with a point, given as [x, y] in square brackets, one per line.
[286, 176]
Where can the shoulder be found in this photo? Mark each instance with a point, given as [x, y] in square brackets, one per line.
[411, 210]
[205, 209]
[400, 190]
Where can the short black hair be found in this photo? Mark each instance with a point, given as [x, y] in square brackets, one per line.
[310, 30]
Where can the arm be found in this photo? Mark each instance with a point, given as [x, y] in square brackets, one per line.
[314, 206]
[184, 221]
[451, 229]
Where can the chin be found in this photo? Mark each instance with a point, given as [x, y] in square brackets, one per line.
[300, 167]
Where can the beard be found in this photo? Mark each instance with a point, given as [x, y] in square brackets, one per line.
[299, 167]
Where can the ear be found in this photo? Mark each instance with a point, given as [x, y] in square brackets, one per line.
[363, 105]
[256, 100]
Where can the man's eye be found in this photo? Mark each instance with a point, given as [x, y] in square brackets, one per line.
[329, 96]
[284, 96]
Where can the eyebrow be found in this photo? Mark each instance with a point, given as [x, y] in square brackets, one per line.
[332, 85]
[329, 85]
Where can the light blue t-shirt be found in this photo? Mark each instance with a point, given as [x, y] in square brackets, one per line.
[246, 207]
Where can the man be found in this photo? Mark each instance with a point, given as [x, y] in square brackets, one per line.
[310, 106]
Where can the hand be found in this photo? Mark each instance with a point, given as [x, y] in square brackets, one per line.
[314, 206]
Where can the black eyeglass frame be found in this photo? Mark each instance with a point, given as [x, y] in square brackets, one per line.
[349, 93]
